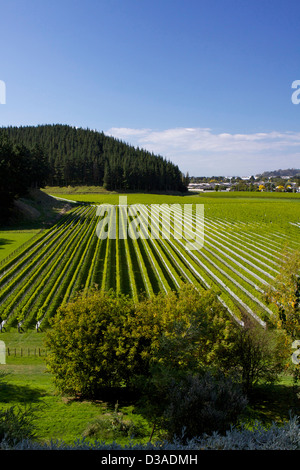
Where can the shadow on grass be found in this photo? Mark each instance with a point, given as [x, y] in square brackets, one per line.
[110, 396]
[35, 211]
[13, 394]
[274, 403]
[4, 241]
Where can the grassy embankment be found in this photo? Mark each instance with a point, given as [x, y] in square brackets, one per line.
[30, 217]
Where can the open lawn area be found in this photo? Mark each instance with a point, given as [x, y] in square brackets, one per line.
[11, 240]
[28, 383]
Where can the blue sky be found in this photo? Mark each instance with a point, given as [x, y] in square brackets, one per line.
[205, 83]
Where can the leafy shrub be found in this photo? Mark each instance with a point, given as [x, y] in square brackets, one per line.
[258, 354]
[16, 425]
[89, 344]
[102, 339]
[283, 437]
[203, 403]
[114, 425]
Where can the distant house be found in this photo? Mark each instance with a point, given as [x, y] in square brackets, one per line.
[208, 186]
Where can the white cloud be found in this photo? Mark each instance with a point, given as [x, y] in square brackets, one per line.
[203, 152]
[121, 132]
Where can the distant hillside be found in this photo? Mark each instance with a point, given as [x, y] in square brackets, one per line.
[79, 156]
[288, 172]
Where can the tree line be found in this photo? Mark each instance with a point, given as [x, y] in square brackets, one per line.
[21, 168]
[77, 156]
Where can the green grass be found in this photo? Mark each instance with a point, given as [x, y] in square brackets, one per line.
[29, 383]
[61, 418]
[94, 193]
[274, 403]
[278, 209]
[39, 212]
[76, 189]
[11, 240]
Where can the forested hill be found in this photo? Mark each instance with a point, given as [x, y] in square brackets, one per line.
[79, 156]
[280, 173]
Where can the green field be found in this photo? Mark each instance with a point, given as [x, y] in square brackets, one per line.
[12, 240]
[277, 208]
[244, 236]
